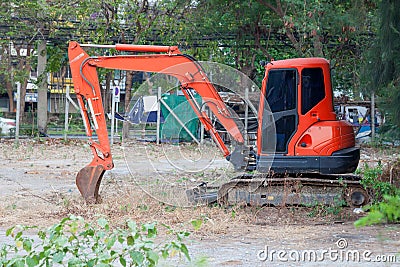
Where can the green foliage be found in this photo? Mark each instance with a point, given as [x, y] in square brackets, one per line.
[389, 132]
[236, 33]
[381, 67]
[387, 211]
[386, 198]
[372, 182]
[74, 242]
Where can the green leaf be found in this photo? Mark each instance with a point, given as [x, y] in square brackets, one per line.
[151, 229]
[130, 240]
[17, 262]
[42, 234]
[185, 251]
[32, 261]
[10, 231]
[73, 227]
[103, 223]
[74, 262]
[92, 262]
[164, 253]
[58, 257]
[373, 217]
[132, 226]
[197, 224]
[18, 235]
[137, 257]
[61, 241]
[27, 245]
[122, 261]
[152, 257]
[110, 242]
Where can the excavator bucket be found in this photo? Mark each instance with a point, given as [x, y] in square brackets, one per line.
[88, 182]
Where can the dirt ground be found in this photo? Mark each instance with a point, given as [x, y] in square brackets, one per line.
[37, 181]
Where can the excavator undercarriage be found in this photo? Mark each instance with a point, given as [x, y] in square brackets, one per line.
[277, 190]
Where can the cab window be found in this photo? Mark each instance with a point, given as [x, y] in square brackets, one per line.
[312, 88]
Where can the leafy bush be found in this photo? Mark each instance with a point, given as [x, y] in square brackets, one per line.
[386, 198]
[387, 211]
[372, 182]
[74, 242]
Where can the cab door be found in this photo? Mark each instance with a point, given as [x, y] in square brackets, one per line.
[281, 96]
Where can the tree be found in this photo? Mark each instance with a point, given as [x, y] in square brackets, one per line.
[26, 24]
[6, 71]
[19, 36]
[332, 29]
[381, 70]
[241, 34]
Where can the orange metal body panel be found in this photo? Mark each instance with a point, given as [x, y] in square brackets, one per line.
[318, 128]
[324, 138]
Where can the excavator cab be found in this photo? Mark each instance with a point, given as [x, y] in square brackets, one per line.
[297, 98]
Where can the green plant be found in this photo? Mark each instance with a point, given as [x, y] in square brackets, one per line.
[74, 242]
[197, 224]
[371, 181]
[318, 209]
[387, 211]
[386, 198]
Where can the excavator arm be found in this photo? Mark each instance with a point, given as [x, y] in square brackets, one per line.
[164, 59]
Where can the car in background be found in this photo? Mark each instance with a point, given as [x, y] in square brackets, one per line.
[7, 126]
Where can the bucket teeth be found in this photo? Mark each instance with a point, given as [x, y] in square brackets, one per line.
[88, 182]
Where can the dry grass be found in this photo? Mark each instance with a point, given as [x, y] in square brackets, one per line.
[132, 203]
[122, 198]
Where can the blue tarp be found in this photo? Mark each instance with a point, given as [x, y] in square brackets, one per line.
[139, 114]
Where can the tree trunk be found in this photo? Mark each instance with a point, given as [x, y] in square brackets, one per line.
[42, 90]
[107, 92]
[6, 64]
[318, 51]
[10, 93]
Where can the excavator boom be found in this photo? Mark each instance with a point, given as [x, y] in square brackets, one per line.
[171, 62]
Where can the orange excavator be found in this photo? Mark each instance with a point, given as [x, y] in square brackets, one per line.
[303, 153]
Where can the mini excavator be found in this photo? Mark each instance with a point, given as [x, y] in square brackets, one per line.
[303, 154]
